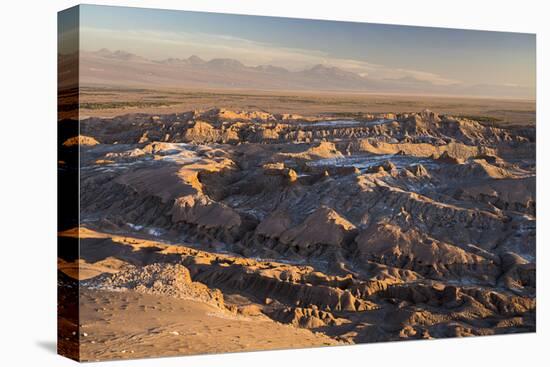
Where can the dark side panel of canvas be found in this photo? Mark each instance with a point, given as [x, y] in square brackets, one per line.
[67, 175]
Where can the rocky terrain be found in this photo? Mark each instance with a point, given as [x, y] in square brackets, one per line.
[388, 227]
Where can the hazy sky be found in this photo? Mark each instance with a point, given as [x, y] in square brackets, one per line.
[439, 56]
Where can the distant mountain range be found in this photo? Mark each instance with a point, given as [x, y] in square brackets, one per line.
[122, 68]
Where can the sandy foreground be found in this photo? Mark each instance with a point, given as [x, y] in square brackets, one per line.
[133, 325]
[121, 323]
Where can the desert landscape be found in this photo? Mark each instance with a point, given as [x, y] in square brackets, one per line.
[330, 230]
[226, 208]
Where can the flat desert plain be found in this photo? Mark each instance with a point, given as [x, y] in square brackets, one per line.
[110, 101]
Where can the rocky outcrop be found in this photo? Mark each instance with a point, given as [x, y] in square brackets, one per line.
[263, 283]
[200, 210]
[279, 169]
[422, 134]
[203, 132]
[80, 140]
[453, 150]
[410, 249]
[309, 318]
[466, 299]
[172, 280]
[323, 227]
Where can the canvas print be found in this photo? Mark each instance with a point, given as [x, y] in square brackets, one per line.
[234, 183]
